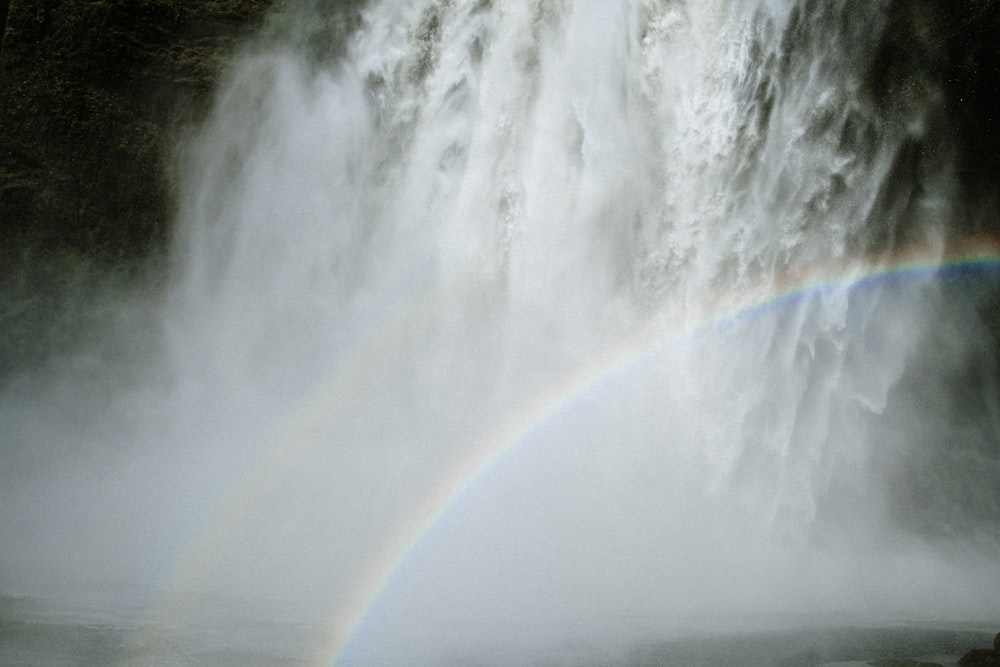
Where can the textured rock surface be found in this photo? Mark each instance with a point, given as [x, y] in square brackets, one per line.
[980, 657]
[91, 94]
[90, 90]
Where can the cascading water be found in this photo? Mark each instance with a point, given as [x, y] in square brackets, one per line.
[638, 262]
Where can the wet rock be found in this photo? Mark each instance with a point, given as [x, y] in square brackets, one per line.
[90, 93]
[981, 657]
[92, 96]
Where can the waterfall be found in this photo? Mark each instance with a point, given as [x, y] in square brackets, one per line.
[518, 315]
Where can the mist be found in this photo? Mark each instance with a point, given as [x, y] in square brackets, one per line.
[531, 322]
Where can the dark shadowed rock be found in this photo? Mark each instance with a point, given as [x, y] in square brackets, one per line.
[983, 657]
[980, 657]
[89, 92]
[91, 96]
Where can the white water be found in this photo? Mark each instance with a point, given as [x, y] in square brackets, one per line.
[381, 258]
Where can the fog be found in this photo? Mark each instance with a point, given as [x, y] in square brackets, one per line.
[524, 322]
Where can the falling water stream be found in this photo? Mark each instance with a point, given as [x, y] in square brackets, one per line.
[501, 328]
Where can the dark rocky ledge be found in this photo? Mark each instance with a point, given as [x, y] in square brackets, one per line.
[983, 657]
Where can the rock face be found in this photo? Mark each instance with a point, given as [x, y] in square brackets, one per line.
[980, 657]
[983, 657]
[88, 92]
[91, 92]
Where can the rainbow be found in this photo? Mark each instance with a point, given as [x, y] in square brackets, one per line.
[975, 257]
[352, 612]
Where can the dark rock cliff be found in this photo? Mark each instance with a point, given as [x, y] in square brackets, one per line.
[89, 91]
[92, 93]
